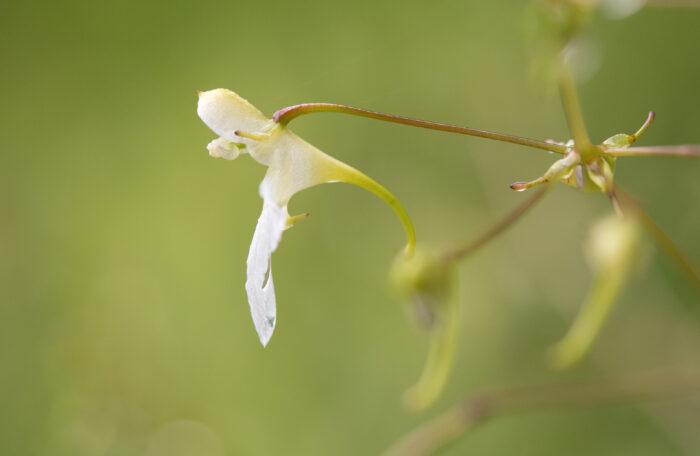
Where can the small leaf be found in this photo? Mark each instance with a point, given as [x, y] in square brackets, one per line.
[619, 141]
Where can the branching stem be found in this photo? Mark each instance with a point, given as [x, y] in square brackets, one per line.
[499, 227]
[470, 413]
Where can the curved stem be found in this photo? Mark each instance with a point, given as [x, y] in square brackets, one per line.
[498, 228]
[285, 115]
[469, 414]
[683, 150]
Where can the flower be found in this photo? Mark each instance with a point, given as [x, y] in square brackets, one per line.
[293, 165]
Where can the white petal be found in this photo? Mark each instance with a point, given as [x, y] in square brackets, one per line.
[259, 286]
[293, 165]
[222, 148]
[225, 112]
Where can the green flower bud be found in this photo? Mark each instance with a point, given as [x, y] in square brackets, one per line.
[425, 281]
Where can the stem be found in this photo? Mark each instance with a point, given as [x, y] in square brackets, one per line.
[574, 116]
[285, 115]
[683, 150]
[662, 240]
[498, 228]
[467, 415]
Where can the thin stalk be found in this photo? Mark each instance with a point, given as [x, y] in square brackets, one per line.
[285, 115]
[683, 150]
[662, 240]
[574, 115]
[499, 227]
[470, 413]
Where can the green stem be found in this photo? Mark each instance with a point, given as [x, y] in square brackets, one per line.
[683, 150]
[498, 228]
[469, 414]
[285, 115]
[574, 115]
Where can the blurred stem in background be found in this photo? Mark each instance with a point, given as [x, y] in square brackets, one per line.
[666, 244]
[464, 250]
[467, 415]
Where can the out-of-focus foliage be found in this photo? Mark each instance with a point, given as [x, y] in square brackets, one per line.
[124, 327]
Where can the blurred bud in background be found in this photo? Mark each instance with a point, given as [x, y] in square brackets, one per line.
[550, 26]
[426, 282]
[555, 29]
[611, 252]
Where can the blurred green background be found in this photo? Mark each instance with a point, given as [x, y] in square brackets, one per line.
[124, 325]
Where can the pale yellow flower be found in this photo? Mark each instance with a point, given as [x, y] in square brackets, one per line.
[293, 165]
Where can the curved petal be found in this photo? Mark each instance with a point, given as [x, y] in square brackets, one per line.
[259, 285]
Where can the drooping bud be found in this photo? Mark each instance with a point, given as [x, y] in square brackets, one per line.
[425, 281]
[611, 252]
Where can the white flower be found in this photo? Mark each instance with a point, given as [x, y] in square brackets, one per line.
[293, 165]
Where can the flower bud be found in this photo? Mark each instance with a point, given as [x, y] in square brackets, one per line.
[611, 253]
[425, 279]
